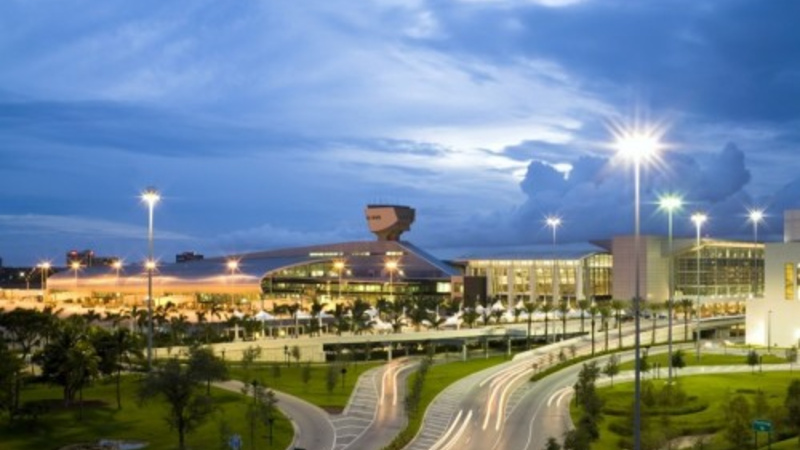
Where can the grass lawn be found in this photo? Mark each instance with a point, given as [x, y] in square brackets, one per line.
[101, 419]
[704, 412]
[290, 381]
[706, 359]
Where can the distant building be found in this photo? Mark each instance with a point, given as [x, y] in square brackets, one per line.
[87, 258]
[772, 319]
[188, 256]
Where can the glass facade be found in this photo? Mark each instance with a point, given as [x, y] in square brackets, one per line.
[721, 270]
[544, 279]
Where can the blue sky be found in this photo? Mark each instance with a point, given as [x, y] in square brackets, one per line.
[272, 123]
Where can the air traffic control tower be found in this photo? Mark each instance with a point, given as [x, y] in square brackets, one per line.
[388, 222]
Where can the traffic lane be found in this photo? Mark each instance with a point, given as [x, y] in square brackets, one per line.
[313, 428]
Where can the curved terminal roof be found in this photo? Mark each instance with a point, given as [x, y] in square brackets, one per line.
[364, 261]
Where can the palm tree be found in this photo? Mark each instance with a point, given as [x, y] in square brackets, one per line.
[605, 314]
[686, 306]
[530, 308]
[618, 306]
[316, 316]
[546, 308]
[655, 309]
[91, 316]
[563, 308]
[471, 316]
[340, 319]
[593, 310]
[583, 305]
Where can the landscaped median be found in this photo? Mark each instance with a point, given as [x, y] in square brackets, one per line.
[437, 379]
[715, 411]
[324, 385]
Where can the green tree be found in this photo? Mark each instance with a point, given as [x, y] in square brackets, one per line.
[530, 308]
[305, 375]
[69, 360]
[332, 377]
[181, 389]
[546, 308]
[583, 306]
[678, 360]
[593, 313]
[11, 368]
[792, 405]
[563, 309]
[552, 444]
[611, 369]
[737, 422]
[296, 354]
[116, 349]
[752, 360]
[590, 403]
[605, 314]
[205, 365]
[618, 306]
[686, 306]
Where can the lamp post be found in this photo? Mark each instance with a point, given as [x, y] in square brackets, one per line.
[339, 266]
[75, 266]
[391, 267]
[670, 203]
[769, 331]
[637, 146]
[151, 197]
[44, 267]
[698, 219]
[554, 222]
[117, 266]
[756, 216]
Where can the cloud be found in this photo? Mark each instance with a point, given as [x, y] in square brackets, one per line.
[43, 224]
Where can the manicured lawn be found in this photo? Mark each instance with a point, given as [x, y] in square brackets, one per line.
[290, 380]
[707, 359]
[145, 422]
[704, 412]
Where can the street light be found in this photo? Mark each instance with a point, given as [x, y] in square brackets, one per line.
[339, 266]
[391, 267]
[756, 216]
[698, 219]
[151, 197]
[769, 331]
[75, 266]
[670, 203]
[45, 268]
[117, 266]
[637, 146]
[554, 222]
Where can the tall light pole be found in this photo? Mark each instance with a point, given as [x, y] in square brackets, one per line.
[75, 266]
[769, 331]
[45, 268]
[554, 222]
[698, 219]
[670, 203]
[151, 197]
[391, 267]
[339, 266]
[637, 146]
[117, 266]
[756, 216]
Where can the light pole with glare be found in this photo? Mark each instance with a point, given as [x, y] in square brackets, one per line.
[45, 268]
[554, 222]
[756, 216]
[75, 266]
[151, 197]
[769, 331]
[233, 266]
[117, 266]
[391, 267]
[670, 203]
[637, 146]
[698, 219]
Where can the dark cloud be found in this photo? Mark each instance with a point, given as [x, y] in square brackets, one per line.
[596, 200]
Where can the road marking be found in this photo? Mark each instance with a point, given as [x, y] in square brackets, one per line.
[449, 431]
[460, 432]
